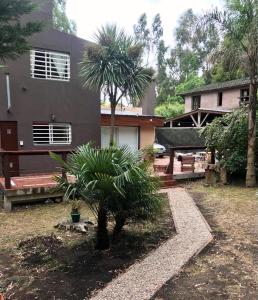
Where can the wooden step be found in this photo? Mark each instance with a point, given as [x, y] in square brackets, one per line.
[168, 183]
[164, 177]
[160, 168]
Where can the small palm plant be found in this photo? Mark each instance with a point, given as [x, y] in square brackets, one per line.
[75, 210]
[106, 179]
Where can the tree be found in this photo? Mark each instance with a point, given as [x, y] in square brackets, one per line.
[173, 106]
[113, 65]
[193, 46]
[225, 68]
[238, 24]
[228, 135]
[143, 35]
[60, 19]
[157, 32]
[13, 32]
[110, 181]
[170, 109]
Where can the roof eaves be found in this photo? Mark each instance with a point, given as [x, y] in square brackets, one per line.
[217, 86]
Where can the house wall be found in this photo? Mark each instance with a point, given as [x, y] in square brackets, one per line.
[210, 100]
[188, 103]
[37, 99]
[147, 136]
[231, 98]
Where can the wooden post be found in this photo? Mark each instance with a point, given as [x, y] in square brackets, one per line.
[64, 158]
[6, 173]
[199, 119]
[170, 169]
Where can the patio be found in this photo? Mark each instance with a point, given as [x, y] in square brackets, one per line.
[35, 187]
[161, 164]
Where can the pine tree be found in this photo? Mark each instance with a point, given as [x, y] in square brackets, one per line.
[14, 33]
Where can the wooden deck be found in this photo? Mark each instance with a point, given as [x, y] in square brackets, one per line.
[30, 181]
[199, 168]
[30, 188]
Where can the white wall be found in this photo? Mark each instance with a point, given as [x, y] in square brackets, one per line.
[210, 100]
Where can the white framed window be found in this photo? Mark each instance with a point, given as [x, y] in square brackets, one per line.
[52, 134]
[49, 65]
[123, 135]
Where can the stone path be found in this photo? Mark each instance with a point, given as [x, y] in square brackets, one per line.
[142, 280]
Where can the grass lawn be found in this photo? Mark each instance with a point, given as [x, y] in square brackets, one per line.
[53, 264]
[226, 269]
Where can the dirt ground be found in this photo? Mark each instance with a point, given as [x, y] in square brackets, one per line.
[227, 269]
[38, 261]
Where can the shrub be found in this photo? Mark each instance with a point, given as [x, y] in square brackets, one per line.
[228, 135]
[107, 180]
[170, 109]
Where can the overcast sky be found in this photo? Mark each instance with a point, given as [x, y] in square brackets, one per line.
[92, 14]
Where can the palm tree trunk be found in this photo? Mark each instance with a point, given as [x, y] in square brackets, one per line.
[120, 222]
[112, 125]
[250, 174]
[102, 242]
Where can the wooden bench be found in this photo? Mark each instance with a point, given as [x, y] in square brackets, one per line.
[188, 163]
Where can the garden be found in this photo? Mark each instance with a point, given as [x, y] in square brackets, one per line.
[113, 197]
[39, 261]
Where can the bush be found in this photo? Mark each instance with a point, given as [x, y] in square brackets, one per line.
[170, 109]
[111, 181]
[228, 135]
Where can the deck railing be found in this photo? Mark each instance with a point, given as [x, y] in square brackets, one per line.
[6, 154]
[172, 150]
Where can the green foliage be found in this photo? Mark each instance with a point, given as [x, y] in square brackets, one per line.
[169, 109]
[193, 46]
[228, 135]
[13, 32]
[187, 59]
[113, 65]
[193, 81]
[238, 27]
[174, 105]
[113, 180]
[75, 205]
[60, 19]
[224, 67]
[143, 35]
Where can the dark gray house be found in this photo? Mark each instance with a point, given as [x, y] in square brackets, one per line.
[42, 102]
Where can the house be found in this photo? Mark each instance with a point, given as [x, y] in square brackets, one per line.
[204, 103]
[135, 126]
[136, 131]
[42, 102]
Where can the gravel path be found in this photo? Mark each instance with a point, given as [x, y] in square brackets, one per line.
[142, 280]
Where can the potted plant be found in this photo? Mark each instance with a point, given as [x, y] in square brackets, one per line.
[75, 212]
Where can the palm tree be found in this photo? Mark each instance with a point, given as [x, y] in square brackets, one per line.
[102, 180]
[113, 66]
[238, 24]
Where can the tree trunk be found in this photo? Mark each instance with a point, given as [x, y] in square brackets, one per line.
[250, 173]
[102, 242]
[112, 124]
[120, 222]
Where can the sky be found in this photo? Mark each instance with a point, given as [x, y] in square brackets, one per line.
[92, 14]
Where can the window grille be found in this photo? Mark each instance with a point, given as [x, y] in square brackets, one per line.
[50, 65]
[196, 102]
[52, 134]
